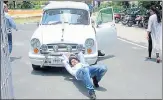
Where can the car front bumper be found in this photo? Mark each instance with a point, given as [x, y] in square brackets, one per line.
[38, 59]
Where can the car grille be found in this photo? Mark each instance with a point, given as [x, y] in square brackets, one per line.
[62, 47]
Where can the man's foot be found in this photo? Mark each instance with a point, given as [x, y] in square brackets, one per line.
[149, 58]
[92, 95]
[100, 53]
[95, 82]
[158, 60]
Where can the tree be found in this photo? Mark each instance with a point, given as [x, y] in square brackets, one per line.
[26, 5]
[125, 4]
[148, 4]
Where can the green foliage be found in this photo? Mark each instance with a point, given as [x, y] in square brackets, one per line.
[27, 4]
[148, 4]
[37, 7]
[117, 6]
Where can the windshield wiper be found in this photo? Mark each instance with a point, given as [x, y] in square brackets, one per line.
[74, 23]
[55, 22]
[78, 24]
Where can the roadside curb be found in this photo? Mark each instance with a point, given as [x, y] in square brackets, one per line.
[26, 16]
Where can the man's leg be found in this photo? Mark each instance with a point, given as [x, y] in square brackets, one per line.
[157, 58]
[149, 47]
[83, 75]
[97, 72]
[10, 42]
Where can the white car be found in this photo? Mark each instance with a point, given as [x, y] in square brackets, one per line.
[66, 26]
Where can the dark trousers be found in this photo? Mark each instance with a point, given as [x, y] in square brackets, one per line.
[10, 42]
[150, 45]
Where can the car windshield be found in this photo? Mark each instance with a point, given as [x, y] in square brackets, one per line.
[70, 16]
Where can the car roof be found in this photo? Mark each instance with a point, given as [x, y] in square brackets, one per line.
[66, 4]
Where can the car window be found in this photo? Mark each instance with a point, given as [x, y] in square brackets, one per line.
[105, 15]
[71, 16]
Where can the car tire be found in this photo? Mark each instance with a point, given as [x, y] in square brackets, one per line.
[36, 67]
[124, 22]
[117, 20]
[129, 24]
[140, 25]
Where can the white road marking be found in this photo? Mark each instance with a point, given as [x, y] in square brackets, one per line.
[133, 43]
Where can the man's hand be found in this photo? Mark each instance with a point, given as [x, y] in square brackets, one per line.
[147, 36]
[67, 54]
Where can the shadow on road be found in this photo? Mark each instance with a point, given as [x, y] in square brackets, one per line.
[78, 85]
[67, 77]
[14, 58]
[105, 57]
[81, 87]
[51, 72]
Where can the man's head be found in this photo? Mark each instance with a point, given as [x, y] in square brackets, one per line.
[73, 60]
[5, 7]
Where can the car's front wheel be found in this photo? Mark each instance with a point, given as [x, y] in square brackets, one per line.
[36, 67]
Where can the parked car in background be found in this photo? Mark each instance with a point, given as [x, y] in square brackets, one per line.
[67, 28]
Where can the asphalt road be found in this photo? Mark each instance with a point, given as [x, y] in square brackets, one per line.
[129, 76]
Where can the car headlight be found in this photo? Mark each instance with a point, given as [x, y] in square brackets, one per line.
[35, 43]
[89, 43]
[79, 47]
[44, 47]
[69, 48]
[55, 48]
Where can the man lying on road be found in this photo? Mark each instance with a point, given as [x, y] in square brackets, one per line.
[77, 67]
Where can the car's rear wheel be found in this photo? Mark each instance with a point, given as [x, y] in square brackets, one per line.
[36, 67]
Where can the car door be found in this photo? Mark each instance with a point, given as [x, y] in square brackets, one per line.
[106, 32]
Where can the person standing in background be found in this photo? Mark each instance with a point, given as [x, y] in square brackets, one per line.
[154, 33]
[9, 24]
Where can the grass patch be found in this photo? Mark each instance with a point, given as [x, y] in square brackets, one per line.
[27, 20]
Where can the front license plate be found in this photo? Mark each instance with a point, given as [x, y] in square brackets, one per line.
[56, 60]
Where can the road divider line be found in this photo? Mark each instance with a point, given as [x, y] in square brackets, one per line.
[133, 43]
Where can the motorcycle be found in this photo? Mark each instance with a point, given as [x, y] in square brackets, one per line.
[134, 18]
[117, 17]
[145, 20]
[138, 21]
[125, 19]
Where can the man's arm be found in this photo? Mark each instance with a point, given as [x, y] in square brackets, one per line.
[11, 22]
[66, 64]
[149, 26]
[81, 58]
